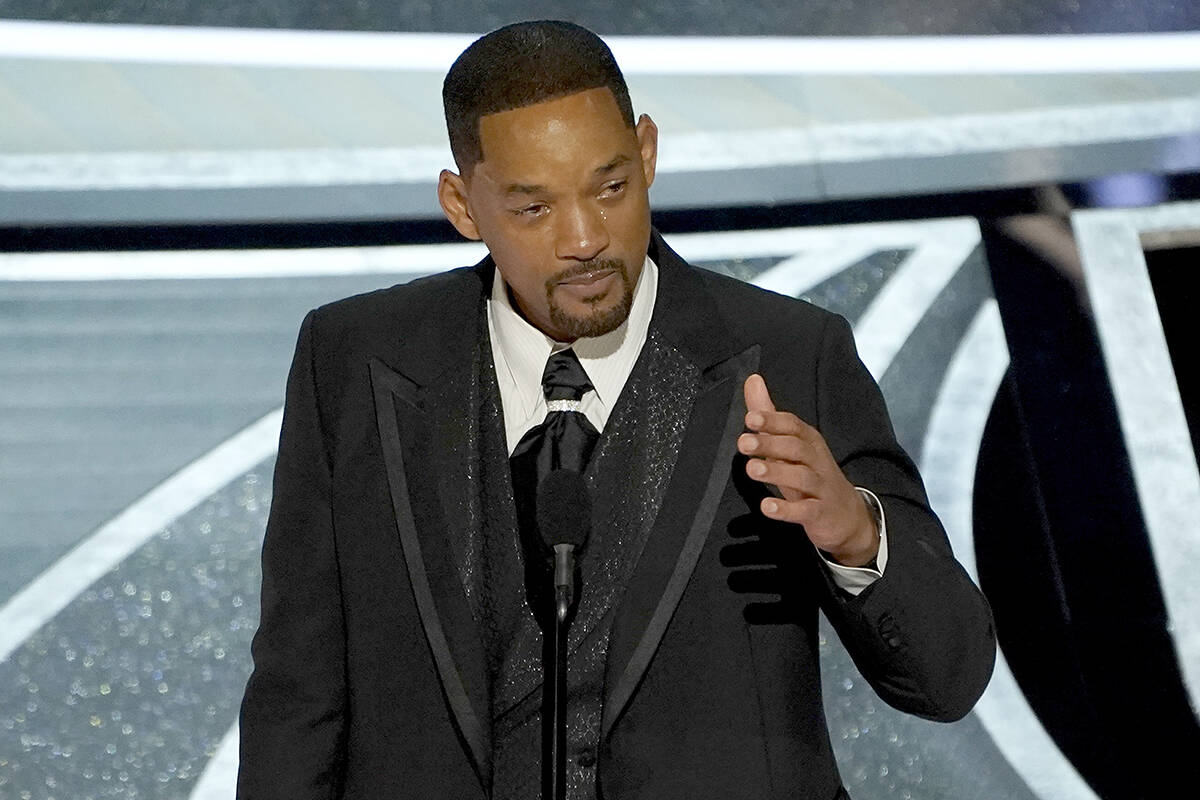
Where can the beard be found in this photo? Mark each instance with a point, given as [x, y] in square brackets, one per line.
[598, 321]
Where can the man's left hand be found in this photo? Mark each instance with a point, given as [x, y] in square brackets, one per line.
[792, 455]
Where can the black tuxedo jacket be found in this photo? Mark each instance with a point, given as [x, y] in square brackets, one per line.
[369, 677]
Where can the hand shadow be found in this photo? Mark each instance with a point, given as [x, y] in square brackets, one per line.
[770, 562]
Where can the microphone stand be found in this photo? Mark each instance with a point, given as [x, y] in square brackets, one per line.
[564, 521]
[564, 561]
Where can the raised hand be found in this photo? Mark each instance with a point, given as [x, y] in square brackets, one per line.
[791, 455]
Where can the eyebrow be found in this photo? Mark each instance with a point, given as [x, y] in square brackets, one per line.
[524, 188]
[618, 161]
[534, 188]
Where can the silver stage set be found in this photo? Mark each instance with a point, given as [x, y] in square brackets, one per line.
[1001, 219]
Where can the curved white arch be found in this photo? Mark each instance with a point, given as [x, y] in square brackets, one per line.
[898, 308]
[50, 592]
[950, 451]
[218, 781]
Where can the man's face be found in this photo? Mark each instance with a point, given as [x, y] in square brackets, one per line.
[560, 200]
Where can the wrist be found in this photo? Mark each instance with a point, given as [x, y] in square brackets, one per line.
[862, 547]
[863, 556]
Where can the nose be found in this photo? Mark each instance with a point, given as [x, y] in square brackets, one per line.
[582, 232]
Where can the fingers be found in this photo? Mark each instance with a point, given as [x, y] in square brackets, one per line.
[793, 480]
[757, 396]
[800, 512]
[784, 447]
[780, 423]
[789, 454]
[761, 415]
[784, 451]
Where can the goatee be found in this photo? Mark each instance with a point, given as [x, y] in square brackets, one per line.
[601, 320]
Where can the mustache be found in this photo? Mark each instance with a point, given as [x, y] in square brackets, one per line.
[584, 267]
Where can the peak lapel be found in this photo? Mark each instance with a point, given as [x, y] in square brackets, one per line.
[424, 408]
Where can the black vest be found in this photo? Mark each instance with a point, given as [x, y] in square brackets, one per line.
[627, 478]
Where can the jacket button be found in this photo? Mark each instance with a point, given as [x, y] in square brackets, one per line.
[889, 633]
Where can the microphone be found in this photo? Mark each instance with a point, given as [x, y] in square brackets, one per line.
[564, 517]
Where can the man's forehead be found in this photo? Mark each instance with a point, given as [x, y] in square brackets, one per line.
[584, 129]
[595, 102]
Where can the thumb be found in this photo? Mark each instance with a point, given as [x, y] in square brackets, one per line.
[757, 396]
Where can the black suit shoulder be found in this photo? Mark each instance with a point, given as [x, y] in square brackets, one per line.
[794, 336]
[407, 327]
[384, 314]
[762, 313]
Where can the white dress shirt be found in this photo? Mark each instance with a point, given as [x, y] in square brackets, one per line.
[520, 352]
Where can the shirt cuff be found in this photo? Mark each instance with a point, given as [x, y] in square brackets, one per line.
[855, 579]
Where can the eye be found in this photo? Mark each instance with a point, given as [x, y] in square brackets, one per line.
[614, 188]
[531, 210]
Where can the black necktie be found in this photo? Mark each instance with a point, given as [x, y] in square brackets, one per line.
[564, 440]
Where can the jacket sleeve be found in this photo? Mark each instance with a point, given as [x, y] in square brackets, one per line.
[292, 712]
[921, 634]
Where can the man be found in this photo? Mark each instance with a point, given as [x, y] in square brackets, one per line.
[397, 656]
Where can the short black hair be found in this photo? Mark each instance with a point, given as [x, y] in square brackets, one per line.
[520, 65]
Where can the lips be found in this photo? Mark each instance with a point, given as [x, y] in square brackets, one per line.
[587, 278]
[590, 287]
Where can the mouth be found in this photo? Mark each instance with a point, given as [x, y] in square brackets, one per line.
[588, 278]
[589, 287]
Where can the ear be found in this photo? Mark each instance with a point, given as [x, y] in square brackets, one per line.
[647, 136]
[453, 196]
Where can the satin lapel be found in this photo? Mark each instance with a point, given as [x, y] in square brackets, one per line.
[687, 317]
[628, 476]
[682, 527]
[426, 437]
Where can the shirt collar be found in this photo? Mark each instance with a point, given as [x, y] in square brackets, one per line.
[522, 349]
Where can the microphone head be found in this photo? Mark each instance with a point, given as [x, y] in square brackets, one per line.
[564, 509]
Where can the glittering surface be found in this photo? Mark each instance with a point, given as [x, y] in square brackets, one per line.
[848, 293]
[744, 269]
[127, 692]
[628, 474]
[885, 754]
[852, 290]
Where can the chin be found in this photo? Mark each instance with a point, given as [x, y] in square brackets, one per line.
[596, 322]
[592, 316]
